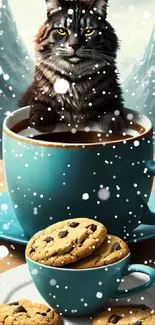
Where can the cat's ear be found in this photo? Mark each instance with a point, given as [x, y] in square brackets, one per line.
[52, 5]
[100, 5]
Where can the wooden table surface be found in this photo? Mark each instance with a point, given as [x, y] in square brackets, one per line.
[141, 252]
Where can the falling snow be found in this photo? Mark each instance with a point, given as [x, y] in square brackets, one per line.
[34, 272]
[6, 77]
[4, 252]
[53, 282]
[85, 196]
[136, 143]
[4, 207]
[99, 295]
[35, 211]
[61, 86]
[103, 194]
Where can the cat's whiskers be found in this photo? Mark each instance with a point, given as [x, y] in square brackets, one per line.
[93, 55]
[96, 58]
[102, 57]
[100, 53]
[104, 53]
[110, 58]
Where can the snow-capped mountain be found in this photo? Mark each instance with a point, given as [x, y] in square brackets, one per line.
[16, 66]
[139, 88]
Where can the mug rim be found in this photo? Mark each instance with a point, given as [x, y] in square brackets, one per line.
[66, 145]
[76, 270]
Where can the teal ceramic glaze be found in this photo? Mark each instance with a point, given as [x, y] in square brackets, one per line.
[83, 292]
[49, 182]
[14, 233]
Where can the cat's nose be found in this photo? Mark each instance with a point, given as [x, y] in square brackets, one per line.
[74, 46]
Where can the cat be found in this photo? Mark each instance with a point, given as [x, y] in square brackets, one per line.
[75, 49]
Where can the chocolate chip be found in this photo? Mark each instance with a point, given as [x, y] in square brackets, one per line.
[115, 247]
[92, 227]
[74, 224]
[138, 323]
[32, 250]
[13, 303]
[63, 234]
[114, 319]
[43, 314]
[49, 239]
[143, 307]
[19, 309]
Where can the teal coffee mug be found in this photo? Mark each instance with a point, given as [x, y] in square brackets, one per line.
[109, 181]
[85, 291]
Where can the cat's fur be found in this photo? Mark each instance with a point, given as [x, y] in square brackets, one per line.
[94, 91]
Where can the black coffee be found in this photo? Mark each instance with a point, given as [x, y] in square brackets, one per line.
[80, 137]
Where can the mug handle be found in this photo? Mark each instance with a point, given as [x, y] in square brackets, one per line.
[148, 217]
[133, 291]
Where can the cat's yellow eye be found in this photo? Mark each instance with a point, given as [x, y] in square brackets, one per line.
[90, 32]
[61, 31]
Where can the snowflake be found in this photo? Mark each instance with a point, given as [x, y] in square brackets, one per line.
[34, 272]
[4, 207]
[99, 295]
[53, 282]
[136, 143]
[70, 11]
[103, 194]
[85, 196]
[35, 211]
[6, 77]
[61, 86]
[3, 251]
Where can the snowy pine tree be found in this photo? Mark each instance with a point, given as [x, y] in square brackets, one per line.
[139, 88]
[16, 65]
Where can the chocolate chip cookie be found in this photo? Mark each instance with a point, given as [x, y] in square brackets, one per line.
[112, 250]
[126, 315]
[66, 242]
[25, 312]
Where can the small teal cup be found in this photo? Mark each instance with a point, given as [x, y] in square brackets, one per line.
[51, 182]
[83, 292]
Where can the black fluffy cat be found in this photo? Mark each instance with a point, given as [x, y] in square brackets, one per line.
[78, 45]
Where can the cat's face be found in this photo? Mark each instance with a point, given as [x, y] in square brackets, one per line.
[77, 40]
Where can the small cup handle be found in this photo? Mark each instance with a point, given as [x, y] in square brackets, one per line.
[148, 216]
[133, 291]
[150, 165]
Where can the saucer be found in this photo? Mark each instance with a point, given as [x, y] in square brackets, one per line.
[17, 284]
[12, 231]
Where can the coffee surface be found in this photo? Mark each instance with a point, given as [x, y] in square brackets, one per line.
[79, 137]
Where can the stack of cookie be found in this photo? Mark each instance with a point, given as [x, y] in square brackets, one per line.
[79, 243]
[83, 243]
[76, 243]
